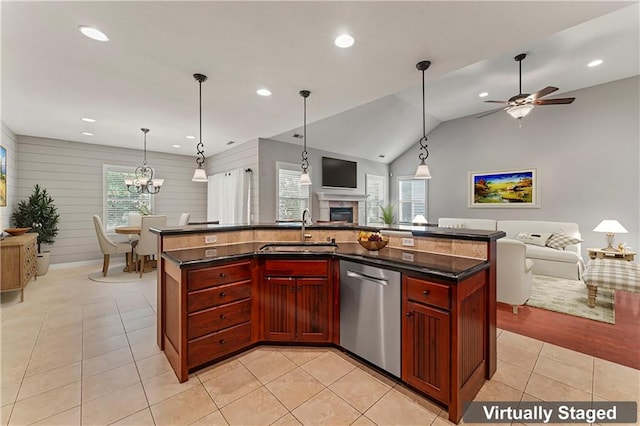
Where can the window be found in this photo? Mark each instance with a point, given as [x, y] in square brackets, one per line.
[293, 198]
[118, 201]
[412, 198]
[375, 189]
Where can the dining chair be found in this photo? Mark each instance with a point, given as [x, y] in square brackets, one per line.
[184, 219]
[148, 242]
[108, 246]
[135, 219]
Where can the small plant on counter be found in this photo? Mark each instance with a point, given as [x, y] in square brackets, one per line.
[387, 214]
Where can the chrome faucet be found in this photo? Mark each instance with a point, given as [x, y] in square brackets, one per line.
[304, 236]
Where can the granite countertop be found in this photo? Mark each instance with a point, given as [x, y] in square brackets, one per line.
[450, 268]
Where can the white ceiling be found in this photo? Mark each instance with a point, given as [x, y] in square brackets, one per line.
[52, 75]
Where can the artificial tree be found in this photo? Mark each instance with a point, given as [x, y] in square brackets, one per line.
[40, 213]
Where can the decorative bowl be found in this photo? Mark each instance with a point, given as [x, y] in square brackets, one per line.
[374, 245]
[16, 231]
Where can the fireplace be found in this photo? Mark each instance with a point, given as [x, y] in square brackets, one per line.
[344, 214]
[342, 201]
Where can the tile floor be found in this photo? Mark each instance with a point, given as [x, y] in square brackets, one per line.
[80, 352]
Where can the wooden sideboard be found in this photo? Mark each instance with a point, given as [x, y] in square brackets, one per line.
[18, 264]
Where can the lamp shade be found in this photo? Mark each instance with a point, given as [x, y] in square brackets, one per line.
[199, 176]
[520, 111]
[304, 178]
[610, 226]
[423, 171]
[419, 220]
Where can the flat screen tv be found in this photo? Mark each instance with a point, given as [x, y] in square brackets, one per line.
[338, 173]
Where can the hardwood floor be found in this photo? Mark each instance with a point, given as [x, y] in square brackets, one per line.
[619, 342]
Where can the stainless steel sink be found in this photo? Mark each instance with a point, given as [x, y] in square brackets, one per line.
[300, 247]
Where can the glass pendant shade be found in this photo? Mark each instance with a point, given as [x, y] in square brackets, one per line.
[305, 179]
[423, 171]
[199, 176]
[520, 111]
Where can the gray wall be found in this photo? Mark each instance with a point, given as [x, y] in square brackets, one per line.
[9, 142]
[586, 154]
[239, 157]
[72, 174]
[271, 151]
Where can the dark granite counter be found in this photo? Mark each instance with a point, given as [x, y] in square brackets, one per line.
[450, 268]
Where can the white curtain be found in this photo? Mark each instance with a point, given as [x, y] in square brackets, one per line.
[228, 197]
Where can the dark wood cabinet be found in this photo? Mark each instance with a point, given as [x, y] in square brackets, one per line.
[296, 299]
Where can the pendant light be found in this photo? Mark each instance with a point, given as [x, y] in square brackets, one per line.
[144, 181]
[423, 170]
[200, 175]
[304, 177]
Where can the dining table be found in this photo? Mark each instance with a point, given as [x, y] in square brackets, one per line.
[131, 267]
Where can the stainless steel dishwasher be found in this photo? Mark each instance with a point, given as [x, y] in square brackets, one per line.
[370, 311]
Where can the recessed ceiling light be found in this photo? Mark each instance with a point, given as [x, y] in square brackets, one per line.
[87, 133]
[191, 137]
[381, 156]
[88, 120]
[344, 41]
[263, 92]
[231, 142]
[594, 63]
[483, 94]
[175, 146]
[93, 33]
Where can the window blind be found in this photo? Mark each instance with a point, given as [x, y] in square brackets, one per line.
[118, 201]
[412, 199]
[293, 198]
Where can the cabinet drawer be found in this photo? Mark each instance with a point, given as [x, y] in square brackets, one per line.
[218, 295]
[428, 292]
[215, 345]
[298, 268]
[207, 277]
[215, 319]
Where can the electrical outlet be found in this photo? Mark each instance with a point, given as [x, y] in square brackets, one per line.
[210, 239]
[210, 253]
[407, 242]
[408, 257]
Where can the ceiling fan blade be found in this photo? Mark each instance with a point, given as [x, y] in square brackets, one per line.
[543, 92]
[557, 101]
[497, 102]
[490, 112]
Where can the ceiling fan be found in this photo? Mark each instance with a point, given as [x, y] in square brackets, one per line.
[521, 104]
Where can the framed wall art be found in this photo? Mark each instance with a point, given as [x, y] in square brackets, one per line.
[3, 176]
[500, 189]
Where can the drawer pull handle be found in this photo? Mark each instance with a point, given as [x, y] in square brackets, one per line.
[222, 341]
[223, 294]
[223, 316]
[426, 292]
[408, 314]
[222, 275]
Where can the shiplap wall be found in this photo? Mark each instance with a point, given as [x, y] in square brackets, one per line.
[72, 174]
[9, 143]
[242, 156]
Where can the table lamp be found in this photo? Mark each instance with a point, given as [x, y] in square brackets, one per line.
[610, 227]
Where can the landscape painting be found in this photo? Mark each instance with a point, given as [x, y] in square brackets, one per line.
[3, 177]
[511, 188]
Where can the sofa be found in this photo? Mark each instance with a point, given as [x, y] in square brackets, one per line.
[563, 261]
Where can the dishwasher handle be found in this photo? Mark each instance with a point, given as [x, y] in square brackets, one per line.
[366, 277]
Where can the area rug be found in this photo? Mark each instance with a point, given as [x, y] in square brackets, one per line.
[570, 297]
[116, 275]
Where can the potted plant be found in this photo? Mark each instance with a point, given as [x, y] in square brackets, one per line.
[40, 213]
[387, 214]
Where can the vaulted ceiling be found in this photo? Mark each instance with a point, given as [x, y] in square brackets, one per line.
[52, 76]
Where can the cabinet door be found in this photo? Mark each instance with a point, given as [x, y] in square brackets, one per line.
[312, 309]
[279, 308]
[425, 351]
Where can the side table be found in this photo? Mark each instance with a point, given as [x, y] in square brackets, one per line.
[595, 253]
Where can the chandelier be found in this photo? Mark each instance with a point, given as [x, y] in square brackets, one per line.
[144, 181]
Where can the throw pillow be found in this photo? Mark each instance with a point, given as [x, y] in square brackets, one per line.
[560, 240]
[535, 238]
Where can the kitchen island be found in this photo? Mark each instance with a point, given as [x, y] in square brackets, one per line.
[220, 292]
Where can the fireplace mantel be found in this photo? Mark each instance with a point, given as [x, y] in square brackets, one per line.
[357, 201]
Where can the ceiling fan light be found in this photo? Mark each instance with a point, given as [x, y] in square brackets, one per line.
[520, 111]
[199, 176]
[423, 171]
